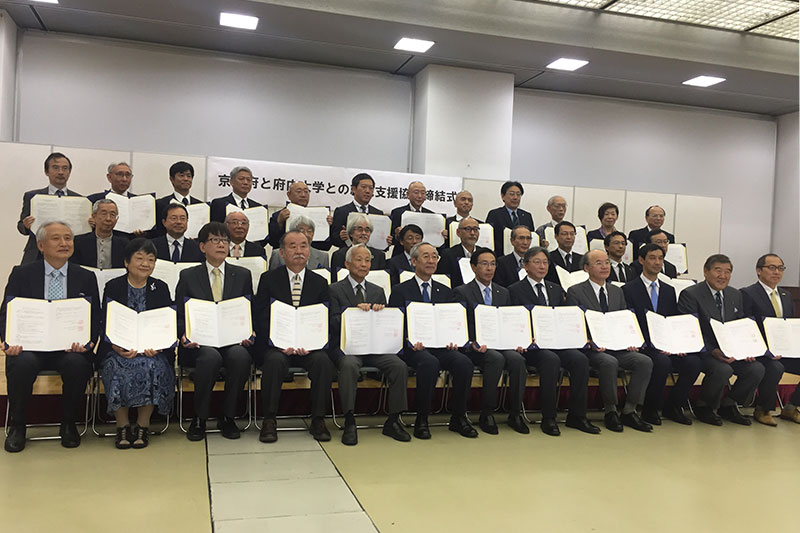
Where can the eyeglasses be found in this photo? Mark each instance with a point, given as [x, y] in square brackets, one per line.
[774, 268]
[218, 240]
[362, 229]
[539, 262]
[123, 174]
[238, 222]
[470, 228]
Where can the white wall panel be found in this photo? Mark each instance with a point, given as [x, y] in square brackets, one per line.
[697, 223]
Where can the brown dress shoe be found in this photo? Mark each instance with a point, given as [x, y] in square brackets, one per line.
[764, 417]
[269, 431]
[790, 412]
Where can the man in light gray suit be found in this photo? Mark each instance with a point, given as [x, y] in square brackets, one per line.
[597, 295]
[316, 258]
[355, 291]
[715, 299]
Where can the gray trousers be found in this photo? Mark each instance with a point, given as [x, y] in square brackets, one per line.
[717, 376]
[236, 360]
[276, 366]
[390, 365]
[607, 365]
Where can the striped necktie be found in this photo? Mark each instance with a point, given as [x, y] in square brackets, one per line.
[297, 289]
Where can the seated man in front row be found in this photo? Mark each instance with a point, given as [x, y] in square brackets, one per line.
[426, 361]
[293, 284]
[597, 295]
[355, 291]
[101, 248]
[53, 278]
[214, 280]
[175, 246]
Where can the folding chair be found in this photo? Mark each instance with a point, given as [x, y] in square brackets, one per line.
[96, 384]
[185, 373]
[382, 392]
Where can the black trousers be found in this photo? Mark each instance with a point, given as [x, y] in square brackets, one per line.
[548, 363]
[276, 366]
[773, 370]
[427, 363]
[21, 371]
[491, 364]
[688, 368]
[207, 364]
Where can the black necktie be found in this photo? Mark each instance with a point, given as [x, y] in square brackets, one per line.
[59, 193]
[359, 294]
[603, 300]
[540, 293]
[244, 205]
[621, 273]
[176, 252]
[185, 201]
[568, 262]
[514, 219]
[720, 308]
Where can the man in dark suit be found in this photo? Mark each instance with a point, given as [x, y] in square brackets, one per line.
[238, 226]
[242, 183]
[468, 231]
[563, 256]
[410, 236]
[298, 194]
[765, 299]
[646, 293]
[509, 215]
[101, 248]
[427, 361]
[510, 266]
[362, 188]
[615, 244]
[481, 291]
[120, 177]
[214, 280]
[53, 278]
[597, 295]
[359, 229]
[175, 246]
[295, 285]
[355, 291]
[416, 197]
[463, 202]
[57, 168]
[535, 290]
[715, 299]
[660, 238]
[557, 207]
[654, 216]
[181, 176]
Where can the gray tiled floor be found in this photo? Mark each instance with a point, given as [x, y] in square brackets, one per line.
[320, 523]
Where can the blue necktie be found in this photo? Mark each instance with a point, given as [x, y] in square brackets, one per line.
[654, 296]
[514, 219]
[487, 296]
[718, 300]
[426, 297]
[55, 291]
[603, 300]
[176, 252]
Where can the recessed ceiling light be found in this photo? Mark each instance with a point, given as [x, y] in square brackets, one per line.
[704, 81]
[47, 1]
[413, 45]
[245, 22]
[567, 64]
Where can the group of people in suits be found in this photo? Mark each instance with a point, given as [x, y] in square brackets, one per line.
[523, 277]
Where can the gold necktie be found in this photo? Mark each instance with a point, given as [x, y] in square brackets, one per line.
[216, 286]
[775, 303]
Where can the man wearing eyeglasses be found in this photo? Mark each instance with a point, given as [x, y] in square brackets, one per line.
[654, 216]
[765, 299]
[662, 239]
[563, 256]
[120, 177]
[468, 231]
[509, 267]
[359, 230]
[101, 248]
[175, 246]
[238, 226]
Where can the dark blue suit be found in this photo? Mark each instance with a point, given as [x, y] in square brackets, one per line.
[500, 219]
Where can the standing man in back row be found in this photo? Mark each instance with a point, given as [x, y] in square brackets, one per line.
[654, 216]
[510, 215]
[362, 188]
[242, 183]
[181, 176]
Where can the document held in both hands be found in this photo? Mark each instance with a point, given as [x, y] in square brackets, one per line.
[372, 332]
[783, 336]
[319, 215]
[135, 212]
[218, 324]
[739, 339]
[303, 327]
[559, 328]
[74, 210]
[437, 325]
[675, 334]
[616, 330]
[155, 329]
[48, 325]
[503, 328]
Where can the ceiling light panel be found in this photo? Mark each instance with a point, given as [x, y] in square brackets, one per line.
[594, 4]
[233, 20]
[785, 27]
[413, 45]
[565, 63]
[704, 81]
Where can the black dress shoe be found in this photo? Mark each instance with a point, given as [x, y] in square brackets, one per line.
[634, 421]
[651, 416]
[732, 414]
[393, 428]
[350, 434]
[319, 430]
[550, 427]
[613, 422]
[582, 423]
[15, 441]
[228, 428]
[197, 430]
[421, 428]
[676, 414]
[518, 424]
[269, 431]
[487, 424]
[460, 424]
[707, 415]
[69, 435]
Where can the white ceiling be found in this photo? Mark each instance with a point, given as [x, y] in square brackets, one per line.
[630, 57]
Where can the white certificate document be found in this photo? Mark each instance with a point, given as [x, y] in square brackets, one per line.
[783, 336]
[381, 229]
[437, 325]
[103, 275]
[256, 265]
[558, 328]
[324, 272]
[739, 338]
[48, 326]
[259, 220]
[568, 279]
[381, 279]
[372, 332]
[676, 254]
[319, 215]
[432, 225]
[467, 274]
[675, 334]
[135, 213]
[503, 328]
[485, 238]
[616, 330]
[444, 279]
[170, 273]
[218, 324]
[156, 329]
[304, 327]
[199, 216]
[676, 283]
[74, 210]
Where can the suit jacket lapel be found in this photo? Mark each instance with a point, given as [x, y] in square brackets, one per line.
[710, 304]
[476, 292]
[203, 283]
[350, 294]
